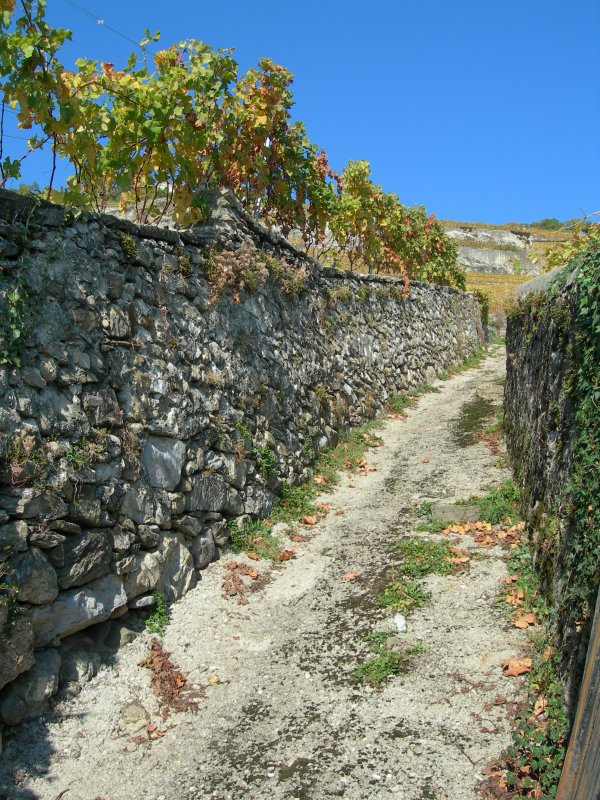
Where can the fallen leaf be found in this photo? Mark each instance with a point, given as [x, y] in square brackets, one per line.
[525, 621]
[253, 556]
[285, 555]
[214, 680]
[297, 537]
[510, 579]
[322, 506]
[339, 513]
[253, 573]
[320, 479]
[500, 700]
[351, 576]
[541, 704]
[309, 519]
[425, 460]
[512, 667]
[151, 727]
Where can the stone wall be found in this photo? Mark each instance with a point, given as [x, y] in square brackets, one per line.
[146, 406]
[541, 432]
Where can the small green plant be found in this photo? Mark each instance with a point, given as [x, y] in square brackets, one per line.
[399, 403]
[128, 246]
[266, 460]
[386, 661]
[158, 619]
[426, 388]
[500, 504]
[433, 525]
[255, 537]
[77, 456]
[422, 557]
[14, 313]
[403, 596]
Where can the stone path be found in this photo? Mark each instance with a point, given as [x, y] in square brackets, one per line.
[282, 716]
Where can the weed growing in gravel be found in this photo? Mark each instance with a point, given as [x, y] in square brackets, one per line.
[255, 538]
[433, 525]
[403, 596]
[423, 558]
[386, 661]
[399, 403]
[500, 504]
[426, 388]
[158, 620]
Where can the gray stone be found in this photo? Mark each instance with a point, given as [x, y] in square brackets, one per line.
[117, 324]
[35, 503]
[220, 533]
[87, 557]
[133, 719]
[163, 460]
[101, 405]
[212, 493]
[16, 643]
[144, 575]
[177, 575]
[455, 513]
[29, 695]
[235, 470]
[46, 540]
[190, 526]
[33, 377]
[203, 550]
[13, 537]
[146, 506]
[62, 526]
[34, 577]
[76, 609]
[80, 661]
[149, 536]
[145, 601]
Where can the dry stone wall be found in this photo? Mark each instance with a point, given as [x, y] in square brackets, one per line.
[148, 413]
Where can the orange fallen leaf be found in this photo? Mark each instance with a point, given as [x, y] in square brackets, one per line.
[253, 573]
[253, 556]
[424, 460]
[510, 579]
[320, 479]
[351, 576]
[309, 519]
[525, 621]
[285, 555]
[151, 727]
[297, 537]
[322, 506]
[541, 704]
[513, 667]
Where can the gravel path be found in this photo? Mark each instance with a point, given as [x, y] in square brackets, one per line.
[281, 716]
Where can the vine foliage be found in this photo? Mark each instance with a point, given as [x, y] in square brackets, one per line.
[155, 134]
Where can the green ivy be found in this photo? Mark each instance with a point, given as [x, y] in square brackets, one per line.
[14, 312]
[582, 573]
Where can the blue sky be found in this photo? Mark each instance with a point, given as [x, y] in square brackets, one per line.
[483, 111]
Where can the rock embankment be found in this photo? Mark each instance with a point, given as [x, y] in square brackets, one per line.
[150, 410]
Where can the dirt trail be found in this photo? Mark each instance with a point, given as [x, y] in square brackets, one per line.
[286, 719]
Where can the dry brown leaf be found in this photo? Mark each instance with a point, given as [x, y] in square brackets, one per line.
[424, 460]
[297, 537]
[339, 513]
[322, 506]
[513, 667]
[541, 704]
[525, 621]
[285, 555]
[351, 576]
[320, 479]
[500, 700]
[253, 573]
[253, 556]
[309, 519]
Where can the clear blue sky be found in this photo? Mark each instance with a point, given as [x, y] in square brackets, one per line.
[483, 111]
